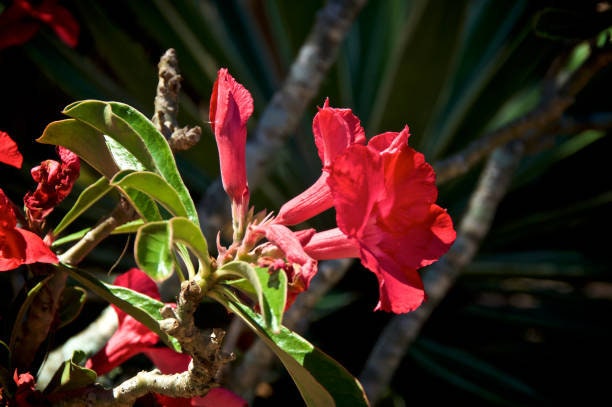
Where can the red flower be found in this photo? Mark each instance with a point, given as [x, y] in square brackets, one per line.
[298, 265]
[22, 19]
[55, 181]
[334, 131]
[132, 338]
[231, 105]
[19, 246]
[9, 153]
[384, 195]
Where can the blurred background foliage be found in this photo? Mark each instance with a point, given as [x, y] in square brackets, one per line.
[528, 321]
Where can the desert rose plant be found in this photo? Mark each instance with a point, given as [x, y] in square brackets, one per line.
[382, 190]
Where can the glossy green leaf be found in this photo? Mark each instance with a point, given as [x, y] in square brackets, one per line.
[321, 380]
[122, 156]
[188, 233]
[274, 288]
[153, 250]
[154, 186]
[71, 376]
[86, 199]
[142, 307]
[138, 135]
[72, 301]
[85, 141]
[266, 290]
[156, 241]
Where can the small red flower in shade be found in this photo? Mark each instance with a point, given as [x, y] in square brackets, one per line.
[55, 181]
[132, 338]
[9, 153]
[384, 195]
[231, 105]
[20, 21]
[19, 246]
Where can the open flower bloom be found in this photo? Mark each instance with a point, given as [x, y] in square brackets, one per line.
[20, 21]
[384, 195]
[55, 181]
[19, 246]
[9, 153]
[132, 338]
[231, 105]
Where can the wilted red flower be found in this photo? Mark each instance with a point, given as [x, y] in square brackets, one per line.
[231, 105]
[20, 21]
[9, 153]
[19, 246]
[132, 338]
[55, 181]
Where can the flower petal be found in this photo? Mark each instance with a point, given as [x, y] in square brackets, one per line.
[9, 153]
[231, 105]
[331, 244]
[313, 201]
[334, 130]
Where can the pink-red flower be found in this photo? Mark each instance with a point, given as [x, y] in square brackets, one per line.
[19, 246]
[231, 105]
[132, 338]
[20, 21]
[9, 153]
[384, 194]
[334, 131]
[55, 181]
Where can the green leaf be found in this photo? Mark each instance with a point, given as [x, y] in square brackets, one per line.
[71, 376]
[155, 242]
[321, 380]
[154, 186]
[274, 287]
[153, 250]
[190, 234]
[138, 135]
[86, 199]
[72, 301]
[124, 159]
[85, 141]
[142, 307]
[268, 289]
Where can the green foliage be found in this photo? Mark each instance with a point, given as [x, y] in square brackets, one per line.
[320, 379]
[71, 375]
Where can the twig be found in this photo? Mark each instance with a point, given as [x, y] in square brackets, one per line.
[203, 346]
[403, 329]
[531, 125]
[167, 105]
[89, 340]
